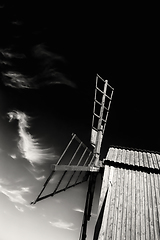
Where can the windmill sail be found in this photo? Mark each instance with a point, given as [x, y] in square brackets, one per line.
[71, 168]
[102, 101]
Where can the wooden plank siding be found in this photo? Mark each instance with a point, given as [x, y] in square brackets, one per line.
[132, 205]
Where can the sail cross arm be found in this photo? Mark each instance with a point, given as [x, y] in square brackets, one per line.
[74, 168]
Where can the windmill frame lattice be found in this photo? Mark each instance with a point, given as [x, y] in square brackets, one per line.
[85, 162]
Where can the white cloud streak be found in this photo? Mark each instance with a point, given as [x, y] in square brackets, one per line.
[82, 211]
[31, 207]
[13, 156]
[15, 196]
[17, 80]
[63, 225]
[8, 53]
[19, 208]
[78, 210]
[25, 189]
[40, 178]
[29, 146]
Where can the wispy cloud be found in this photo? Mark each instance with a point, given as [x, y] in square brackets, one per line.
[31, 207]
[40, 51]
[82, 211]
[8, 53]
[14, 195]
[34, 170]
[25, 189]
[13, 156]
[19, 208]
[17, 196]
[16, 79]
[48, 74]
[40, 178]
[78, 210]
[46, 69]
[63, 225]
[29, 146]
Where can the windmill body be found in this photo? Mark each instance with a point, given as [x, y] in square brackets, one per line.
[129, 204]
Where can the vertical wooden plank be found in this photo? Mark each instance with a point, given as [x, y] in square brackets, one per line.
[120, 207]
[151, 165]
[114, 154]
[157, 187]
[112, 231]
[157, 182]
[147, 227]
[129, 207]
[142, 206]
[137, 198]
[125, 196]
[158, 160]
[103, 229]
[140, 159]
[158, 176]
[105, 182]
[132, 157]
[127, 156]
[154, 160]
[133, 236]
[138, 217]
[150, 206]
[145, 160]
[155, 210]
[104, 186]
[136, 159]
[111, 211]
[119, 155]
[117, 193]
[125, 203]
[110, 153]
[129, 199]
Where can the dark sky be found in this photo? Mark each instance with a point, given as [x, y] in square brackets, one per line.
[120, 45]
[50, 55]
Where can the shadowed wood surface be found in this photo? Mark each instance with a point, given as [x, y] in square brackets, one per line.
[132, 204]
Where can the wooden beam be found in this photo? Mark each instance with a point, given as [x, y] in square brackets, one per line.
[74, 168]
[104, 203]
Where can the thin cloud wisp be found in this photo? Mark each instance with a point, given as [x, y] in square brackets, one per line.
[29, 147]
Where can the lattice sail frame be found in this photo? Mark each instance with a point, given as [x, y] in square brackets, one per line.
[86, 161]
[81, 161]
[100, 116]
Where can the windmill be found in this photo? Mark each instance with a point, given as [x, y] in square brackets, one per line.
[77, 163]
[129, 202]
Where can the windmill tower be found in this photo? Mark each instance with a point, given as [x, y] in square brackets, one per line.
[129, 203]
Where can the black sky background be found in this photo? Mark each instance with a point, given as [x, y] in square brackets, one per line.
[120, 43]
